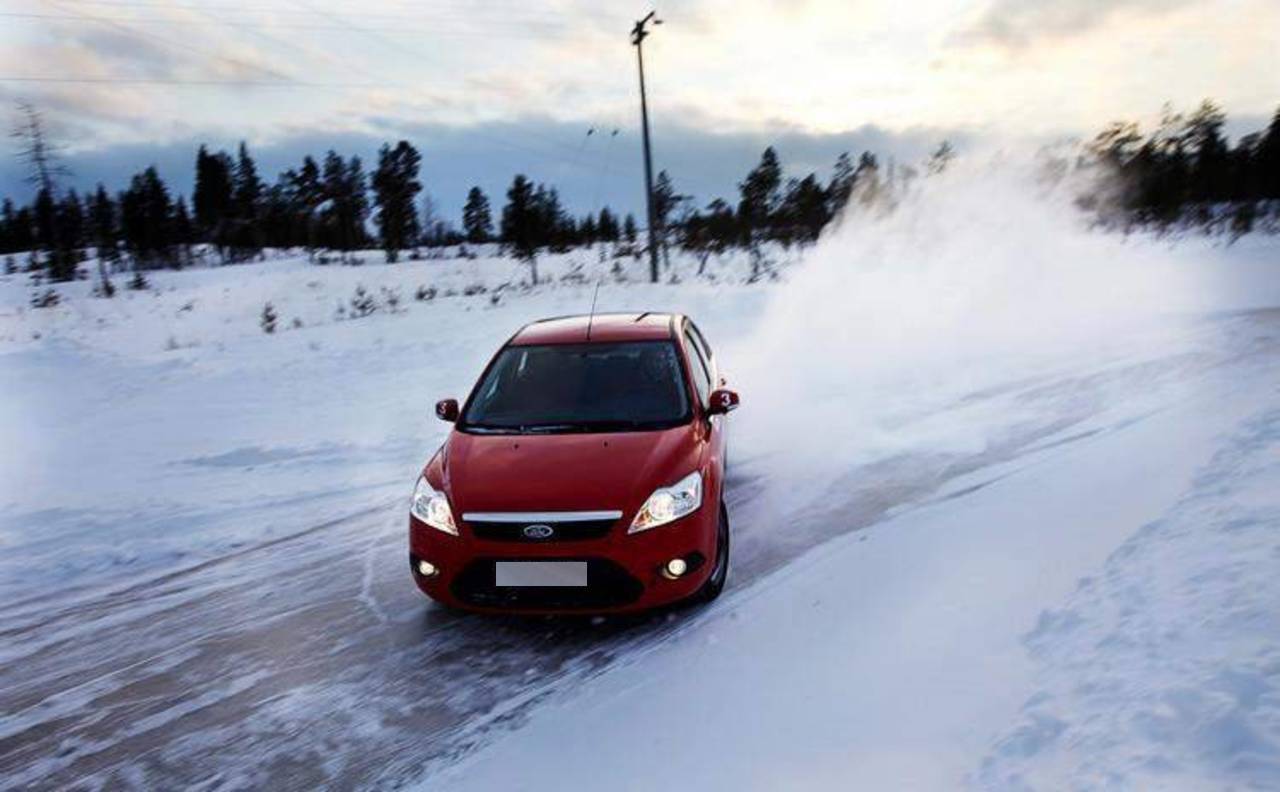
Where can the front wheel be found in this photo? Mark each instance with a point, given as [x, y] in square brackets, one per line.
[720, 572]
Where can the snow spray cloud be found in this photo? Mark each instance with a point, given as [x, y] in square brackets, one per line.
[980, 275]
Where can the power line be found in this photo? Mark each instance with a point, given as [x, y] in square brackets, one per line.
[166, 43]
[179, 82]
[521, 32]
[285, 82]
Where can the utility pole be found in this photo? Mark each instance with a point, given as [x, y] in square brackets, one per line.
[638, 34]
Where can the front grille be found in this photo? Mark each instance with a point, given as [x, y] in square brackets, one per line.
[561, 531]
[608, 586]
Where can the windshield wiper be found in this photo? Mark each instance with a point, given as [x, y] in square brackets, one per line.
[553, 428]
[490, 428]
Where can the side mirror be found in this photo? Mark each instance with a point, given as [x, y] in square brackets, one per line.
[722, 401]
[447, 410]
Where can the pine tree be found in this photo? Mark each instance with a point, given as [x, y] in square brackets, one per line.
[1202, 136]
[519, 222]
[212, 198]
[629, 229]
[8, 227]
[759, 194]
[395, 187]
[146, 220]
[804, 209]
[45, 210]
[104, 230]
[550, 226]
[710, 232]
[1268, 159]
[665, 199]
[348, 205]
[305, 194]
[588, 231]
[41, 156]
[607, 225]
[841, 185]
[71, 224]
[246, 204]
[866, 179]
[183, 232]
[477, 221]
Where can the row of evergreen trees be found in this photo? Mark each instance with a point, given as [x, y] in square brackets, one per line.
[1183, 170]
[1186, 171]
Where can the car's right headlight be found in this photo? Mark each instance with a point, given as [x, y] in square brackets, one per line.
[432, 507]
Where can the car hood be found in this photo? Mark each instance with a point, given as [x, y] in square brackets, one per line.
[567, 472]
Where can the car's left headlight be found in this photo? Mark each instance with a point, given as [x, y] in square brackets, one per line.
[432, 507]
[668, 504]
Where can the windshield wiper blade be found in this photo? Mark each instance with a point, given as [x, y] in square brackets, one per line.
[490, 429]
[553, 428]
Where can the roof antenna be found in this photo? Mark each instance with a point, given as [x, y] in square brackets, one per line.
[592, 317]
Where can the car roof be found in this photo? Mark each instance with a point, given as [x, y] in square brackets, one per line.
[600, 328]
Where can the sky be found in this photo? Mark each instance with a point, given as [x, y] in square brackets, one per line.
[487, 88]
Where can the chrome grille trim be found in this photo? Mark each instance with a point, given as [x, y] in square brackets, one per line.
[541, 517]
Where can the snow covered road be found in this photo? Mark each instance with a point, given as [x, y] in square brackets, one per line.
[310, 659]
[899, 656]
[203, 573]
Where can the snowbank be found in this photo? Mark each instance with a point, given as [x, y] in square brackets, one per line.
[896, 657]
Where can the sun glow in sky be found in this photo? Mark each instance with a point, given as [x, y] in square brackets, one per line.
[279, 66]
[530, 77]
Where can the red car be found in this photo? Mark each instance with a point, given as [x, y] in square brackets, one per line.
[585, 473]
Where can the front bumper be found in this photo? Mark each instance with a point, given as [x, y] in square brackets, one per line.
[624, 571]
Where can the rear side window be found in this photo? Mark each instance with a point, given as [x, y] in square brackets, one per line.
[701, 369]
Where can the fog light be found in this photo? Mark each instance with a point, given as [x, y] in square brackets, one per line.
[675, 568]
[427, 569]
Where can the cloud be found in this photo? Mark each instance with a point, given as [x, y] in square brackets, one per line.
[590, 171]
[1018, 23]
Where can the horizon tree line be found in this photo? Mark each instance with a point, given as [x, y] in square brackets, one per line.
[1184, 170]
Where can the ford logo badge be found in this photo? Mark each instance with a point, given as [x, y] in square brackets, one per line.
[539, 531]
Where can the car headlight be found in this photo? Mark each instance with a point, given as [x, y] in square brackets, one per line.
[432, 507]
[668, 504]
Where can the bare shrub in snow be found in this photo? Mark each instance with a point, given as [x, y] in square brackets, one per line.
[46, 299]
[138, 282]
[474, 289]
[267, 320]
[425, 294]
[762, 266]
[391, 298]
[104, 288]
[362, 303]
[575, 274]
[10, 265]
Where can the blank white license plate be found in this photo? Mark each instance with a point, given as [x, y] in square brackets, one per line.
[540, 573]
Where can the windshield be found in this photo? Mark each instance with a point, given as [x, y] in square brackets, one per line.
[580, 388]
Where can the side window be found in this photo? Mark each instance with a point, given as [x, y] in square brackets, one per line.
[701, 371]
[700, 341]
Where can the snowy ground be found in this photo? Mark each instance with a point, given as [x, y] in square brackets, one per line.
[1029, 542]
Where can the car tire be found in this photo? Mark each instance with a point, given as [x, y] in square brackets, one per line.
[720, 571]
